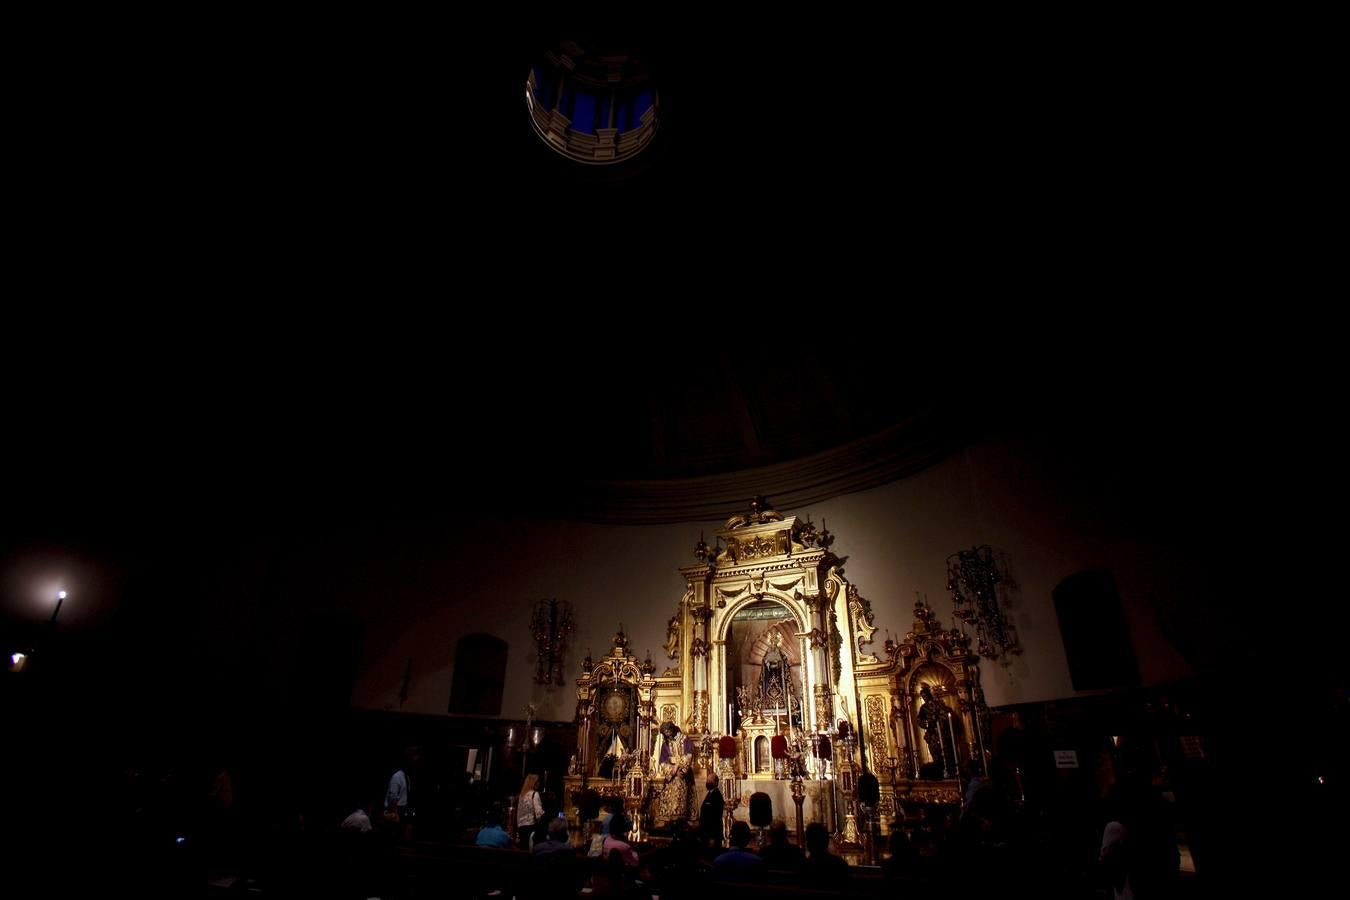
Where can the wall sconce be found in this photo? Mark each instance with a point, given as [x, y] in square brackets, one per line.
[550, 625]
[523, 737]
[973, 577]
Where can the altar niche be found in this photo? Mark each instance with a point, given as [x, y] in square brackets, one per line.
[764, 668]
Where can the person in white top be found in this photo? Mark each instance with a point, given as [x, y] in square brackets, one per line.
[397, 795]
[529, 810]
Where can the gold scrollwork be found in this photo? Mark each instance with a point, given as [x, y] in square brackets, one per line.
[757, 547]
[860, 611]
[876, 726]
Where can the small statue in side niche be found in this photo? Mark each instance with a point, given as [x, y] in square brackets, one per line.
[933, 716]
[672, 644]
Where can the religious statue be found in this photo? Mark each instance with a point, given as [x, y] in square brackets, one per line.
[672, 644]
[775, 665]
[933, 719]
[749, 704]
[614, 730]
[611, 764]
[673, 760]
[777, 687]
[797, 751]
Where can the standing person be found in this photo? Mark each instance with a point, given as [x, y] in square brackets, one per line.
[529, 810]
[396, 796]
[710, 815]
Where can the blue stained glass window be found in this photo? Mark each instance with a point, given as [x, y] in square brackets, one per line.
[640, 104]
[583, 114]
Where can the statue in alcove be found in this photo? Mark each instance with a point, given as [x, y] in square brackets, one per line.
[615, 732]
[934, 718]
[777, 687]
[674, 758]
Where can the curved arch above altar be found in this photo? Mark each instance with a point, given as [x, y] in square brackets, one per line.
[722, 620]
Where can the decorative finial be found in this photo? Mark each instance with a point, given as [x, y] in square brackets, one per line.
[825, 539]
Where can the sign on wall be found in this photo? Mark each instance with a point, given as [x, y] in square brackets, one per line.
[1066, 759]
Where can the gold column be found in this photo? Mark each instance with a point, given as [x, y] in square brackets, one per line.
[700, 651]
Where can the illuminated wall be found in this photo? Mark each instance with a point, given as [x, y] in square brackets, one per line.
[1019, 497]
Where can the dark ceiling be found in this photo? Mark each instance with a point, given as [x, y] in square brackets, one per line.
[792, 142]
[354, 274]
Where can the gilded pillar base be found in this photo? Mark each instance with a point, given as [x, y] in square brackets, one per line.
[798, 797]
[698, 716]
[823, 717]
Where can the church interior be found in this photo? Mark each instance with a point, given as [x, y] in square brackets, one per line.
[696, 596]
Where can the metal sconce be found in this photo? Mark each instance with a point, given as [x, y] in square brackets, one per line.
[550, 625]
[974, 579]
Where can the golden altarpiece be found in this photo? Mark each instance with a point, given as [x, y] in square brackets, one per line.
[772, 646]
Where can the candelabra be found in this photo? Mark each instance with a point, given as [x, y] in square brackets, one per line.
[798, 797]
[973, 577]
[893, 764]
[848, 785]
[728, 754]
[550, 625]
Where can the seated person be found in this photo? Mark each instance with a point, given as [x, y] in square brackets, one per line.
[738, 862]
[822, 867]
[620, 825]
[358, 821]
[558, 840]
[554, 869]
[617, 880]
[780, 855]
[904, 856]
[610, 808]
[679, 867]
[681, 854]
[492, 834]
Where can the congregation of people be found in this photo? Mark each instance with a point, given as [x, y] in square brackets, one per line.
[525, 844]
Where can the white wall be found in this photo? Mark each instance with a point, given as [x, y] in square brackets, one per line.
[1016, 495]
